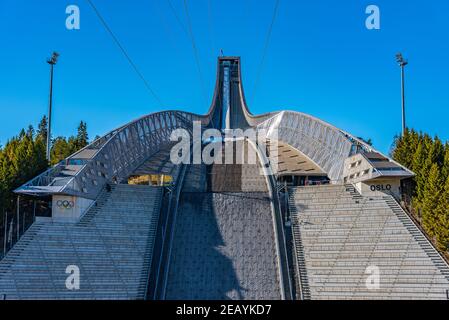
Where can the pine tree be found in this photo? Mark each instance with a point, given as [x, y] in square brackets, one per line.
[4, 179]
[429, 159]
[60, 150]
[445, 166]
[21, 159]
[30, 132]
[431, 196]
[418, 160]
[442, 212]
[22, 134]
[401, 148]
[42, 129]
[82, 136]
[413, 141]
[436, 152]
[73, 145]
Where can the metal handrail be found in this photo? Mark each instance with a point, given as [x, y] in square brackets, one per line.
[312, 245]
[420, 229]
[171, 187]
[179, 186]
[295, 251]
[278, 226]
[162, 238]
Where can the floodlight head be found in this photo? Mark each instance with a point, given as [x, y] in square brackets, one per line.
[400, 60]
[53, 59]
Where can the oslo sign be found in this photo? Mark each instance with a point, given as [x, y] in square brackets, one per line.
[380, 187]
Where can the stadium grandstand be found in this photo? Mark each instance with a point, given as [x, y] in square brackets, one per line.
[317, 217]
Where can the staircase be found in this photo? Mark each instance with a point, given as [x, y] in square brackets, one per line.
[302, 285]
[111, 245]
[339, 233]
[435, 256]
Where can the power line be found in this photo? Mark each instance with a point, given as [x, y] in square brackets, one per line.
[211, 26]
[178, 18]
[192, 39]
[195, 50]
[265, 49]
[167, 27]
[117, 42]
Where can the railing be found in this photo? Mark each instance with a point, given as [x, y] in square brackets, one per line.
[278, 226]
[303, 281]
[46, 177]
[165, 229]
[23, 220]
[295, 251]
[18, 221]
[169, 235]
[151, 290]
[418, 225]
[280, 239]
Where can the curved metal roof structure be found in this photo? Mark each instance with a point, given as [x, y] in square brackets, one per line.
[115, 155]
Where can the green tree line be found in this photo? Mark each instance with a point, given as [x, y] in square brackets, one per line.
[24, 157]
[428, 158]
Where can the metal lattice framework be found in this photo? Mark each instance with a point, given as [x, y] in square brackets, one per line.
[324, 144]
[115, 156]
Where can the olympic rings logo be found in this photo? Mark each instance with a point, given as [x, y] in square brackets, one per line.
[65, 204]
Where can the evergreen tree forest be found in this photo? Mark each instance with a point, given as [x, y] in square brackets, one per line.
[23, 157]
[428, 158]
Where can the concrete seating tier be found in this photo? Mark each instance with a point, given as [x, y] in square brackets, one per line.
[338, 234]
[111, 245]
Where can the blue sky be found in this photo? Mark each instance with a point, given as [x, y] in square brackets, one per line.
[321, 60]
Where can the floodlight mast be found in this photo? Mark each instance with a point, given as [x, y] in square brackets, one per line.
[402, 63]
[52, 62]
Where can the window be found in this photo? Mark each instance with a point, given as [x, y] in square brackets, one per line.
[391, 169]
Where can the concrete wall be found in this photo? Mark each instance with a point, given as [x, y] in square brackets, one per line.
[379, 187]
[357, 169]
[68, 208]
[360, 172]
